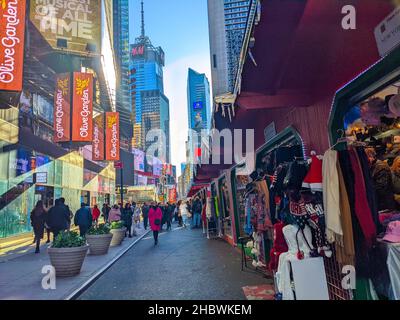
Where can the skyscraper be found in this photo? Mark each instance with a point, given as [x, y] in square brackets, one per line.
[227, 21]
[149, 104]
[121, 49]
[199, 110]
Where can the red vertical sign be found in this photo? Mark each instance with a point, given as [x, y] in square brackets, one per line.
[62, 108]
[98, 138]
[82, 119]
[112, 136]
[12, 34]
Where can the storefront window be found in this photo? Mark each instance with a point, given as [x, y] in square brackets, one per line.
[241, 182]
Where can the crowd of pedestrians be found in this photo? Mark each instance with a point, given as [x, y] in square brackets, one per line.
[59, 217]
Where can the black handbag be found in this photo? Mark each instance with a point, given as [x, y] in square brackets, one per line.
[157, 222]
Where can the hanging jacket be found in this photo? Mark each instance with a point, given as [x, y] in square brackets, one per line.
[382, 177]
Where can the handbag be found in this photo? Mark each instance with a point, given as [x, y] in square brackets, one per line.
[157, 222]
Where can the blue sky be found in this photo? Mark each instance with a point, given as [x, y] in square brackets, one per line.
[180, 27]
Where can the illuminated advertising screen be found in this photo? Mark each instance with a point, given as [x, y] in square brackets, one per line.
[98, 138]
[78, 22]
[12, 33]
[157, 167]
[112, 136]
[82, 123]
[42, 108]
[139, 160]
[138, 51]
[62, 108]
[198, 105]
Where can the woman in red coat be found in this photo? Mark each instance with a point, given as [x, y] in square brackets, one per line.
[95, 213]
[155, 216]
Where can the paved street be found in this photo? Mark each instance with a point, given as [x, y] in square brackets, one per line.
[185, 265]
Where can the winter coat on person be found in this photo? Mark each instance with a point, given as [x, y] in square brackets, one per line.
[197, 207]
[83, 217]
[155, 213]
[58, 218]
[127, 217]
[38, 220]
[114, 215]
[95, 213]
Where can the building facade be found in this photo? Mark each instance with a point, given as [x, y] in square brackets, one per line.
[227, 21]
[122, 57]
[32, 165]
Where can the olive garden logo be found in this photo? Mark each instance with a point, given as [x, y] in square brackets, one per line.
[81, 85]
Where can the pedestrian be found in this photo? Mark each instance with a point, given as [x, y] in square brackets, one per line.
[83, 219]
[145, 215]
[58, 218]
[136, 214]
[38, 219]
[71, 215]
[105, 211]
[155, 217]
[170, 215]
[127, 218]
[114, 214]
[196, 213]
[95, 214]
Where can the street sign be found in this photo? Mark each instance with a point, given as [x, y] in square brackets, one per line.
[118, 165]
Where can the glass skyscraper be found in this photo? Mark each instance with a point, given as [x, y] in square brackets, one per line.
[149, 104]
[227, 25]
[199, 110]
[122, 57]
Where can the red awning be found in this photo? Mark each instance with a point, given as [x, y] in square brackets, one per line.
[303, 53]
[196, 188]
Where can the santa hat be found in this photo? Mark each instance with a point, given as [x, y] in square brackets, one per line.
[313, 179]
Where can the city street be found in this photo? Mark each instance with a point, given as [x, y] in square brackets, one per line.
[184, 266]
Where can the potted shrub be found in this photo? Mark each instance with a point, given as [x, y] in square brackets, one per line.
[118, 231]
[67, 253]
[99, 239]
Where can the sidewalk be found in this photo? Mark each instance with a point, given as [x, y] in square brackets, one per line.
[21, 277]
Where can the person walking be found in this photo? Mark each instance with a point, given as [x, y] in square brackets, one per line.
[83, 219]
[115, 214]
[105, 211]
[155, 217]
[95, 214]
[58, 218]
[38, 219]
[136, 214]
[179, 213]
[71, 215]
[145, 215]
[170, 212]
[127, 218]
[196, 210]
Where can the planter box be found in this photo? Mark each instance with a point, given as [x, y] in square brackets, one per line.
[99, 244]
[118, 236]
[67, 261]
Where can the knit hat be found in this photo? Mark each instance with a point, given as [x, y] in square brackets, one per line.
[313, 179]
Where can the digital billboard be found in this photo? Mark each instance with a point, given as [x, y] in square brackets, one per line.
[82, 123]
[198, 105]
[139, 160]
[62, 108]
[157, 167]
[112, 136]
[78, 22]
[12, 34]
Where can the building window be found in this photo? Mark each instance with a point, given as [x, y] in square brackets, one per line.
[215, 61]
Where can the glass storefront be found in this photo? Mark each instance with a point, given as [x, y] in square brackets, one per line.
[27, 176]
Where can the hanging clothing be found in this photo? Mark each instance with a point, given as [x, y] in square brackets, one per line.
[362, 210]
[331, 197]
[248, 228]
[313, 179]
[344, 245]
[382, 176]
[263, 213]
[298, 242]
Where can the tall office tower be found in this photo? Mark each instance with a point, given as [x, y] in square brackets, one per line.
[121, 49]
[199, 110]
[227, 21]
[149, 104]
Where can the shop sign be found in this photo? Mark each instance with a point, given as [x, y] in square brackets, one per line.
[41, 177]
[62, 108]
[77, 21]
[98, 138]
[387, 33]
[82, 123]
[112, 136]
[12, 33]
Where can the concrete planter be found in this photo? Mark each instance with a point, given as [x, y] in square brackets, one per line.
[99, 244]
[67, 261]
[118, 236]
